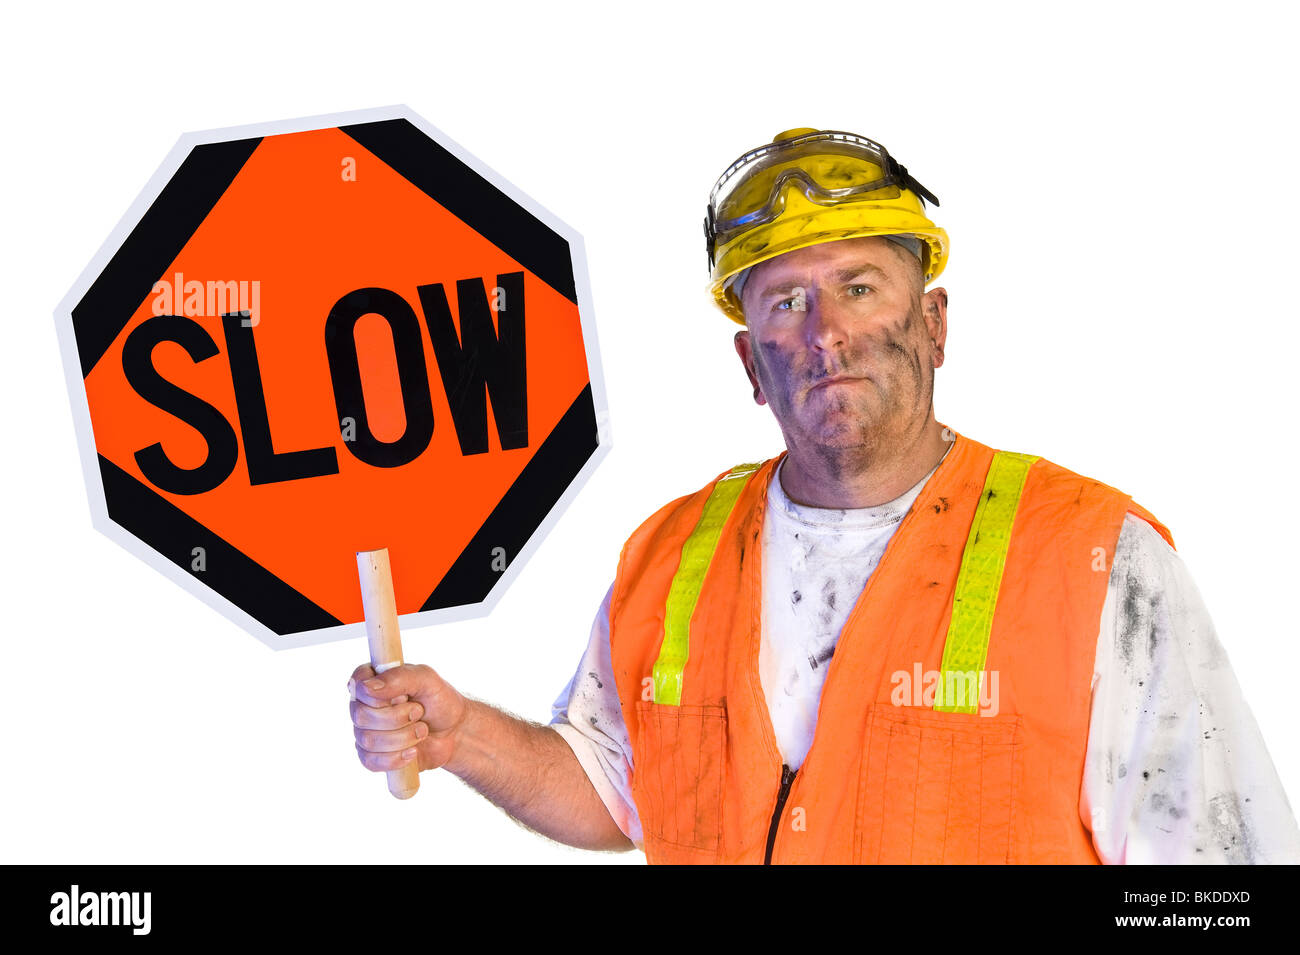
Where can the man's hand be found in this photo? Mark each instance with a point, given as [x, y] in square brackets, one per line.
[406, 713]
[409, 712]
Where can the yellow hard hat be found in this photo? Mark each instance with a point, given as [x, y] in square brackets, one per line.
[805, 187]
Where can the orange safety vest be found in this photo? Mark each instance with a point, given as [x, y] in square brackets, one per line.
[905, 765]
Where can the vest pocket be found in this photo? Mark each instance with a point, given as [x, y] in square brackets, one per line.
[938, 787]
[678, 771]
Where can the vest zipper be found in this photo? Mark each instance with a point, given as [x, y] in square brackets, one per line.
[782, 794]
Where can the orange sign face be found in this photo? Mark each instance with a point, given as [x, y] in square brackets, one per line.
[316, 341]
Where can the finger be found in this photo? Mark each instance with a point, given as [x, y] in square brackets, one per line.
[384, 717]
[385, 762]
[390, 741]
[398, 683]
[363, 672]
[375, 694]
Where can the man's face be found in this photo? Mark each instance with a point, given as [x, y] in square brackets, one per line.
[842, 343]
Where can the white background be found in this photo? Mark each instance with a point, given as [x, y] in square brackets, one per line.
[1120, 187]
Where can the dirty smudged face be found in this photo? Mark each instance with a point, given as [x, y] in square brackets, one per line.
[842, 344]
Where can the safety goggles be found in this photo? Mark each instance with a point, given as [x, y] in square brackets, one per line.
[828, 167]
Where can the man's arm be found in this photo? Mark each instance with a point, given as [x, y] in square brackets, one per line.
[1177, 770]
[589, 716]
[527, 769]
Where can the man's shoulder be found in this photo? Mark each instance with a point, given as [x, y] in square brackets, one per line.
[1061, 495]
[1073, 489]
[688, 507]
[658, 542]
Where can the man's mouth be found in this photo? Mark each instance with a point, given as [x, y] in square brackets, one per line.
[835, 380]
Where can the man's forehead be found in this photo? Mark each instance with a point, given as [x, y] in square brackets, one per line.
[840, 260]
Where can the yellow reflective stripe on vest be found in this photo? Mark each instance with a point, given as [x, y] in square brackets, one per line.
[976, 595]
[684, 592]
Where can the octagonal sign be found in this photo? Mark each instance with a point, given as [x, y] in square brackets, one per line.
[323, 336]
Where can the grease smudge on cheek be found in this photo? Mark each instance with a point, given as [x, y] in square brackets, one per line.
[774, 367]
[907, 357]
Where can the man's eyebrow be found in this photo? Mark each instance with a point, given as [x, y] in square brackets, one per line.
[841, 275]
[853, 272]
[778, 288]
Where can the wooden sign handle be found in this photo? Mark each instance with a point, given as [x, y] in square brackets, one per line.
[385, 643]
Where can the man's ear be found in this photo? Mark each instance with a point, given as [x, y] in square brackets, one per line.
[934, 309]
[745, 349]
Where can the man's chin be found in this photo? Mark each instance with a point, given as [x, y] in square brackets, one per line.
[845, 435]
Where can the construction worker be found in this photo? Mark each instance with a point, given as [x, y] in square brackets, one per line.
[889, 643]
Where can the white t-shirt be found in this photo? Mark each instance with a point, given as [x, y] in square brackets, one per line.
[1176, 769]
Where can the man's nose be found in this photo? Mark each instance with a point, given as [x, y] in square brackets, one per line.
[826, 321]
